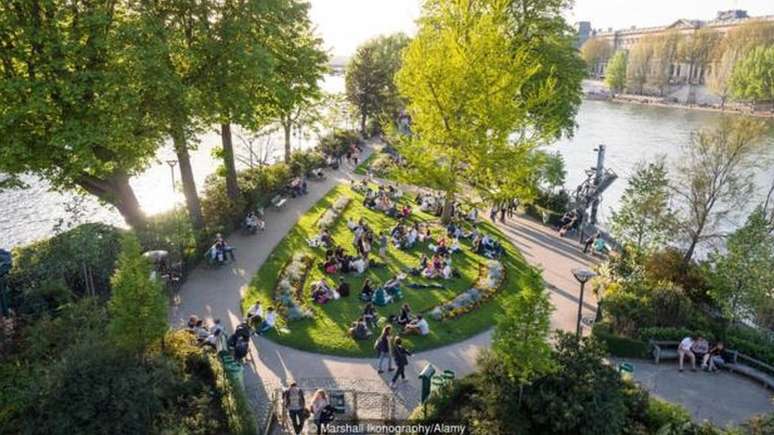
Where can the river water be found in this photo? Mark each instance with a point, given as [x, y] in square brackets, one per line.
[630, 132]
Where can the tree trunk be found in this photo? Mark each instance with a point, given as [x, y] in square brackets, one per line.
[446, 214]
[286, 128]
[232, 188]
[691, 248]
[363, 124]
[117, 191]
[189, 185]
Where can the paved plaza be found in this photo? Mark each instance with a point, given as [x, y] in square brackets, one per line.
[216, 293]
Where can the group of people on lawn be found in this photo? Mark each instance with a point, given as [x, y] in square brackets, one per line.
[698, 349]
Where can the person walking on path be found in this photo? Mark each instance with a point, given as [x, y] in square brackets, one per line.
[293, 399]
[382, 347]
[401, 355]
[318, 409]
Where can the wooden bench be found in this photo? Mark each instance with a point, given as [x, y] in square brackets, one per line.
[278, 201]
[736, 362]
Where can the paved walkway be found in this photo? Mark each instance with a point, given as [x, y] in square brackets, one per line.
[217, 293]
[722, 398]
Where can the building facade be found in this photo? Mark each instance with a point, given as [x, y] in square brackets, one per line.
[626, 39]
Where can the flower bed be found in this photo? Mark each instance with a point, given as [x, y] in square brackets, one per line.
[289, 292]
[329, 218]
[490, 280]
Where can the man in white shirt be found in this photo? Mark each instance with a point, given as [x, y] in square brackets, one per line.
[685, 349]
[254, 314]
[418, 326]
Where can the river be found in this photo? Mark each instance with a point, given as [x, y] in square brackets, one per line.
[630, 132]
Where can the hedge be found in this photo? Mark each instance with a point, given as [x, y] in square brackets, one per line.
[239, 414]
[620, 346]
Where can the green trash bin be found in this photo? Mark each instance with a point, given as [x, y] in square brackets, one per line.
[234, 369]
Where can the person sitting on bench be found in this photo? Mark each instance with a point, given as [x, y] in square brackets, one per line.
[713, 360]
[418, 326]
[683, 350]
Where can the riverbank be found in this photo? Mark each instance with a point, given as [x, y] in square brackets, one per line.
[653, 101]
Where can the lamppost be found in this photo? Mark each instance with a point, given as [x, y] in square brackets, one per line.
[172, 164]
[583, 275]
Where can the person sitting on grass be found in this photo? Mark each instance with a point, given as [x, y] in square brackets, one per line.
[424, 235]
[343, 288]
[405, 212]
[359, 265]
[405, 316]
[435, 268]
[367, 292]
[369, 315]
[411, 238]
[393, 287]
[418, 326]
[447, 272]
[254, 314]
[269, 322]
[381, 297]
[321, 293]
[359, 330]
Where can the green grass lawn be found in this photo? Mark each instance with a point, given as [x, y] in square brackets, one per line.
[362, 168]
[327, 331]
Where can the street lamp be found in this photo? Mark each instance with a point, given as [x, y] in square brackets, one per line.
[172, 164]
[583, 275]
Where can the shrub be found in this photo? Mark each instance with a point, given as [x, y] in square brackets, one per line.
[668, 265]
[82, 258]
[171, 231]
[239, 414]
[337, 143]
[259, 184]
[672, 333]
[661, 413]
[555, 203]
[221, 213]
[620, 346]
[302, 162]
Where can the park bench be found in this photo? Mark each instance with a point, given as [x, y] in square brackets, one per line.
[736, 362]
[278, 201]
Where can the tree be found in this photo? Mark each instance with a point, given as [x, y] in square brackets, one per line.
[742, 277]
[595, 52]
[299, 64]
[665, 54]
[719, 79]
[715, 177]
[753, 77]
[615, 77]
[71, 104]
[553, 94]
[639, 65]
[645, 218]
[238, 64]
[138, 307]
[697, 50]
[465, 76]
[370, 84]
[521, 335]
[559, 403]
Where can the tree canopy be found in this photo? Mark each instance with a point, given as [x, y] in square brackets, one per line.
[475, 101]
[72, 107]
[595, 51]
[615, 77]
[138, 307]
[370, 78]
[753, 77]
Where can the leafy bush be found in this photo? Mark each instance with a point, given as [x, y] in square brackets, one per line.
[668, 266]
[302, 162]
[555, 203]
[171, 231]
[81, 258]
[221, 213]
[239, 414]
[259, 184]
[337, 143]
[620, 346]
[672, 333]
[661, 413]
